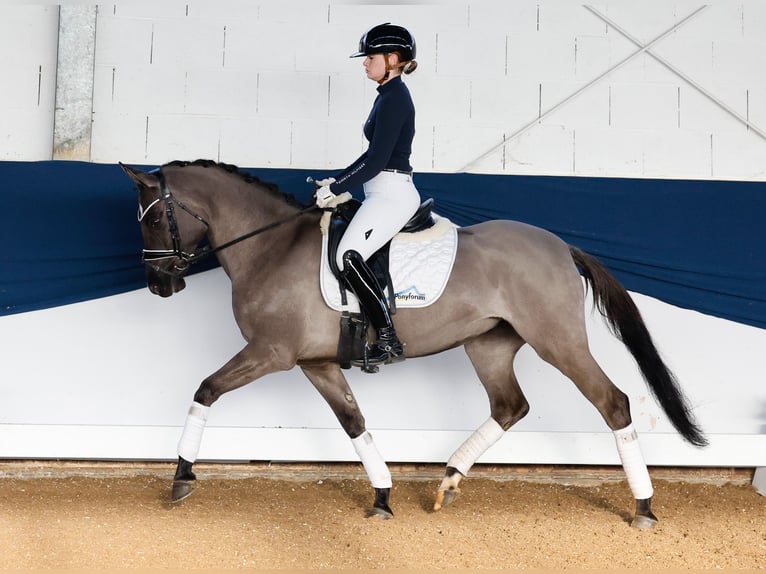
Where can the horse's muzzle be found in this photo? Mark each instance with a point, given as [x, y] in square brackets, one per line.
[166, 282]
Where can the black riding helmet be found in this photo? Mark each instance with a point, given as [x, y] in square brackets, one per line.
[387, 38]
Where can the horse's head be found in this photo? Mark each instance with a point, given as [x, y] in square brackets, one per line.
[170, 230]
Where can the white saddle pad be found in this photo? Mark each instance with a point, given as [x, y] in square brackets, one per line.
[420, 265]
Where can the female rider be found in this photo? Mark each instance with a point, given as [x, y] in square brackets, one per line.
[391, 198]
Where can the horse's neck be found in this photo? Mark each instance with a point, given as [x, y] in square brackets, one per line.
[240, 208]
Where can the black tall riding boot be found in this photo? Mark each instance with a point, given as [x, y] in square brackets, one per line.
[360, 279]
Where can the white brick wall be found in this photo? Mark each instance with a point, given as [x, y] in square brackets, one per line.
[269, 83]
[28, 36]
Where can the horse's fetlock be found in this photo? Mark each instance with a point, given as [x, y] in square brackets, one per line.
[205, 395]
[451, 479]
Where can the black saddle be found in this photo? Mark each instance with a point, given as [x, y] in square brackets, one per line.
[353, 326]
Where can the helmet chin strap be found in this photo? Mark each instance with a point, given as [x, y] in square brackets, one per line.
[389, 67]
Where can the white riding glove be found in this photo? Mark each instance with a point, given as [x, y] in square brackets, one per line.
[324, 182]
[324, 196]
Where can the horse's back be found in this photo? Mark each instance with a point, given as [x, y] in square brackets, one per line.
[514, 241]
[517, 272]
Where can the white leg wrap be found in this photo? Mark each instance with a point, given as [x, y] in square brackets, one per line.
[633, 462]
[476, 445]
[188, 446]
[374, 465]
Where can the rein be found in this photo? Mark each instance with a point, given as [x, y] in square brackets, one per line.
[207, 250]
[204, 252]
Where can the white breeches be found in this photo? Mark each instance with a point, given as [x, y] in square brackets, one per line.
[390, 200]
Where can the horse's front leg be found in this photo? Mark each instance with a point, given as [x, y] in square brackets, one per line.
[244, 367]
[332, 385]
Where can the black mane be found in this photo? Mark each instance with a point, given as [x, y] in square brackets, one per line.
[272, 188]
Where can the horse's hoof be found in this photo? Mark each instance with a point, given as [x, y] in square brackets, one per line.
[182, 489]
[644, 522]
[445, 497]
[382, 513]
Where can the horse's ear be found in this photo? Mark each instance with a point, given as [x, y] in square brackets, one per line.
[140, 177]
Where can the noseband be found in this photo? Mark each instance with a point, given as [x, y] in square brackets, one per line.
[150, 255]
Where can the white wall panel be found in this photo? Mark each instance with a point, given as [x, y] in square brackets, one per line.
[453, 95]
[692, 54]
[643, 106]
[182, 137]
[348, 97]
[187, 43]
[28, 48]
[310, 137]
[256, 141]
[219, 92]
[227, 11]
[593, 56]
[502, 102]
[293, 96]
[660, 154]
[513, 18]
[259, 46]
[646, 20]
[549, 145]
[323, 48]
[562, 17]
[450, 149]
[541, 57]
[358, 17]
[124, 40]
[117, 89]
[736, 153]
[119, 137]
[698, 112]
[756, 106]
[589, 109]
[753, 19]
[418, 411]
[484, 67]
[597, 148]
[733, 62]
[471, 52]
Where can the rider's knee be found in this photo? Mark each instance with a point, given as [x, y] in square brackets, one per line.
[349, 258]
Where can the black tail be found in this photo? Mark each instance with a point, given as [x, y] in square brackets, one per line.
[625, 321]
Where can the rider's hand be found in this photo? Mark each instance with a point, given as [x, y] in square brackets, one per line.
[324, 196]
[324, 182]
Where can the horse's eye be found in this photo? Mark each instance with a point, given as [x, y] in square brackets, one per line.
[155, 223]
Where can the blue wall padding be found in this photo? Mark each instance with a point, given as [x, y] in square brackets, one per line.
[70, 233]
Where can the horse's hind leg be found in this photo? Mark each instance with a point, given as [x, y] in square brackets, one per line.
[332, 385]
[492, 356]
[578, 364]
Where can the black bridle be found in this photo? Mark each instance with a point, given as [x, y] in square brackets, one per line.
[151, 255]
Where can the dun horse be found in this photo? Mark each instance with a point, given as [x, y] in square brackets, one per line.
[529, 292]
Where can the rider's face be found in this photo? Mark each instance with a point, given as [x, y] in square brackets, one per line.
[375, 66]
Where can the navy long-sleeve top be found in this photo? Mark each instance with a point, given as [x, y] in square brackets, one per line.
[390, 129]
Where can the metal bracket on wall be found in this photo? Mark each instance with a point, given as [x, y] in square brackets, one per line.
[679, 73]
